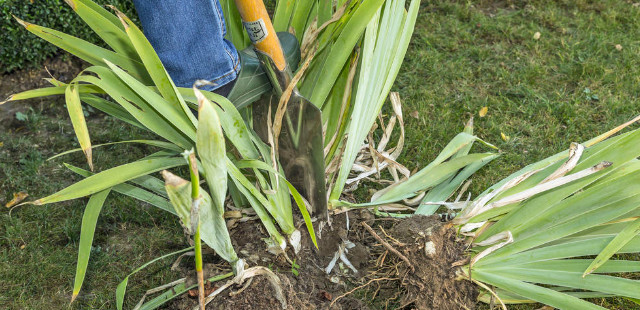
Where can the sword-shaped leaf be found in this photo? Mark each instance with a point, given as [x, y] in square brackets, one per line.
[211, 232]
[105, 25]
[428, 177]
[179, 191]
[165, 108]
[341, 50]
[257, 201]
[385, 43]
[234, 126]
[140, 109]
[294, 192]
[211, 150]
[132, 191]
[110, 178]
[88, 52]
[599, 283]
[111, 108]
[554, 229]
[160, 144]
[540, 294]
[87, 230]
[614, 246]
[79, 123]
[122, 287]
[155, 67]
[50, 91]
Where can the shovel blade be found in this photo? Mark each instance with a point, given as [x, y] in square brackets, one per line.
[300, 147]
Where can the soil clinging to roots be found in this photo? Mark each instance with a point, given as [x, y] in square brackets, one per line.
[401, 264]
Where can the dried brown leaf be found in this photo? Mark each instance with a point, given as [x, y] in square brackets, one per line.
[17, 198]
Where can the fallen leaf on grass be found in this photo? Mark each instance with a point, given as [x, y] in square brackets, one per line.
[536, 36]
[483, 111]
[504, 137]
[1, 143]
[17, 198]
[619, 47]
[415, 114]
[23, 246]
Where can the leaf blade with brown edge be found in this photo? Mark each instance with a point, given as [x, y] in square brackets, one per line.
[109, 178]
[78, 121]
[88, 52]
[50, 91]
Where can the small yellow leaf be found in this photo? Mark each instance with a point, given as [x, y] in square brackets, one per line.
[504, 137]
[17, 198]
[619, 47]
[1, 144]
[536, 36]
[483, 111]
[23, 246]
[233, 214]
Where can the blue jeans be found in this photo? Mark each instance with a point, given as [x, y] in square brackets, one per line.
[189, 39]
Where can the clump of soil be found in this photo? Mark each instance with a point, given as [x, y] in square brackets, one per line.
[414, 270]
[432, 248]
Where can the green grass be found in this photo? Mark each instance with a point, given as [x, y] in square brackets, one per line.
[38, 244]
[462, 57]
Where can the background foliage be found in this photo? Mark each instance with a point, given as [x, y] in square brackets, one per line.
[20, 49]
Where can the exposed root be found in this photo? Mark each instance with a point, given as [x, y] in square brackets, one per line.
[432, 248]
[246, 285]
[388, 246]
[246, 274]
[504, 307]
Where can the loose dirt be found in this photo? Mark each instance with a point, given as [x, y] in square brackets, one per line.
[422, 279]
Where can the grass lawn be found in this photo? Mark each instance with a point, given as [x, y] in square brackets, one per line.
[576, 79]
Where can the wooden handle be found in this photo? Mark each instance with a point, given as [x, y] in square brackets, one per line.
[260, 29]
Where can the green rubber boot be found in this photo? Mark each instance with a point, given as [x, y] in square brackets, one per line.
[252, 81]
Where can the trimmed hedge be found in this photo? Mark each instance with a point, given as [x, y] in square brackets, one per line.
[20, 49]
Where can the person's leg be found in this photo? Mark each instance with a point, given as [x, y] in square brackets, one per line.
[189, 39]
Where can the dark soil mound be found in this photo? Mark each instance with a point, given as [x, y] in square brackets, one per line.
[412, 271]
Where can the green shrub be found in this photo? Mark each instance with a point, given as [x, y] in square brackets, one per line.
[20, 49]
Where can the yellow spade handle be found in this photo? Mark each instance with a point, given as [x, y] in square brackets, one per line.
[260, 29]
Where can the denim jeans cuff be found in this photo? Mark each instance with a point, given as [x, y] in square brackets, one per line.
[222, 80]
